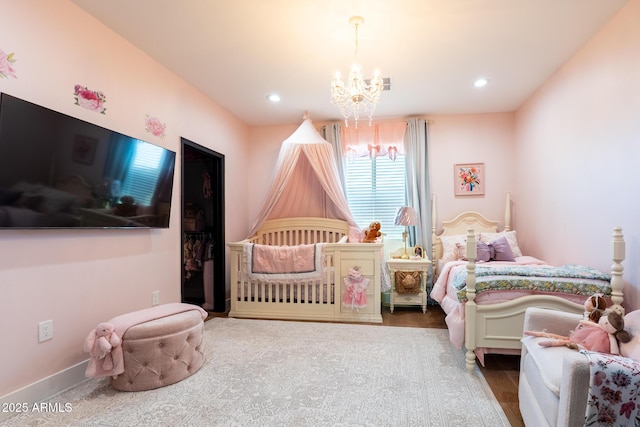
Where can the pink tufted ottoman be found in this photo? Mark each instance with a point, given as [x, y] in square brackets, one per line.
[162, 351]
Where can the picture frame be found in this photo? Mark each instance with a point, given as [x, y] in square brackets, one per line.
[418, 251]
[468, 179]
[84, 149]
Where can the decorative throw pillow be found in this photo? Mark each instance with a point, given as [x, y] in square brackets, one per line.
[449, 248]
[631, 349]
[502, 250]
[509, 235]
[484, 252]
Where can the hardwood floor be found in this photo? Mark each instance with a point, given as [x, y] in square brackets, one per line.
[500, 371]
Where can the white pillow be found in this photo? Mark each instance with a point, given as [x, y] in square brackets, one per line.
[449, 249]
[631, 349]
[509, 235]
[449, 246]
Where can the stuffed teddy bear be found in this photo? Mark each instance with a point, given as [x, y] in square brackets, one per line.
[372, 233]
[602, 336]
[100, 342]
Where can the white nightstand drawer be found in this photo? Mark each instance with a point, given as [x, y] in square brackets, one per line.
[413, 299]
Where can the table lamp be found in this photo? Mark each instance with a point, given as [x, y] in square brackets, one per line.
[406, 216]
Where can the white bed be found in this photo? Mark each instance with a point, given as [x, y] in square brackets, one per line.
[307, 299]
[492, 322]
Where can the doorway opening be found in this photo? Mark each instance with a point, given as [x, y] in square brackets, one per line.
[203, 240]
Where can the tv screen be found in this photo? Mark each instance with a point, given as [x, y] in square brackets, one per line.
[57, 171]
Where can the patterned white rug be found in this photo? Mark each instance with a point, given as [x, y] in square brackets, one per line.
[277, 373]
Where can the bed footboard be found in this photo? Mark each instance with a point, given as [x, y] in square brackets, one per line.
[499, 326]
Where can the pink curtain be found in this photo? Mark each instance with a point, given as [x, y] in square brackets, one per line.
[306, 182]
[380, 139]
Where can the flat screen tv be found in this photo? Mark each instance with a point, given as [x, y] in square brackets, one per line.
[57, 171]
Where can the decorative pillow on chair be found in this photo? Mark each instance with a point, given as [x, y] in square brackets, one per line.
[631, 349]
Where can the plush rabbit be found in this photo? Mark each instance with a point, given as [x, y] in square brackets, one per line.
[100, 342]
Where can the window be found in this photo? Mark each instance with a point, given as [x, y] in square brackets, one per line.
[375, 191]
[142, 178]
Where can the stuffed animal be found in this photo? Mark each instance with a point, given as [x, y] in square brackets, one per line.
[372, 233]
[100, 342]
[602, 336]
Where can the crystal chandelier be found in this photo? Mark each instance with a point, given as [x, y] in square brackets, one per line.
[357, 92]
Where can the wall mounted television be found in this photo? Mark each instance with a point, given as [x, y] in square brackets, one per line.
[57, 171]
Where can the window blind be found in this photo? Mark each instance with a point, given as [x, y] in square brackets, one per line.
[375, 190]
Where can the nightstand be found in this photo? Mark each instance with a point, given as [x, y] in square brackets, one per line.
[408, 265]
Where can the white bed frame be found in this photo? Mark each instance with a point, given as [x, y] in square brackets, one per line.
[497, 328]
[340, 257]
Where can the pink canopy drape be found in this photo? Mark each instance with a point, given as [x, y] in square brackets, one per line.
[306, 183]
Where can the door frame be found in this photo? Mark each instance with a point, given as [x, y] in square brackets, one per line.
[218, 226]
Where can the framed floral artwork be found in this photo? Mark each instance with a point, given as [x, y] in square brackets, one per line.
[468, 179]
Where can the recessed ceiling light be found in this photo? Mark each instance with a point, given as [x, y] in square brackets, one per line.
[274, 97]
[480, 82]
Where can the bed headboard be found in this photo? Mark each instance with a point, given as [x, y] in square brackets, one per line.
[299, 231]
[459, 226]
[461, 223]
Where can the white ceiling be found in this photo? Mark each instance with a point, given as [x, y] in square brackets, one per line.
[239, 51]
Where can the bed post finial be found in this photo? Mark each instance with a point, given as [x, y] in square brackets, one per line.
[618, 255]
[507, 213]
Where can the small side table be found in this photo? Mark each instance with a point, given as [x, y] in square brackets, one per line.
[419, 299]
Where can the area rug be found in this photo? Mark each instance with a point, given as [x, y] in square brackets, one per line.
[281, 373]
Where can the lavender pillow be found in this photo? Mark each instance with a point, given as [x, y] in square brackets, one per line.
[502, 250]
[484, 252]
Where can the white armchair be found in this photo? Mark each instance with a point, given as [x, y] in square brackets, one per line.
[554, 381]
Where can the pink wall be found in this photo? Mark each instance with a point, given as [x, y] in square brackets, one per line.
[577, 150]
[265, 146]
[472, 138]
[78, 278]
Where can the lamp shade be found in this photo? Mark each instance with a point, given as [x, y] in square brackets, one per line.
[406, 216]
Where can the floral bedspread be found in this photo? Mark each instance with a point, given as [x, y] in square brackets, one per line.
[613, 390]
[569, 278]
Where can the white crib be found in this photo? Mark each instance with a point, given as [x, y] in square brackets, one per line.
[318, 299]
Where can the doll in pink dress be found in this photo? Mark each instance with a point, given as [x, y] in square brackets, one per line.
[602, 336]
[355, 295]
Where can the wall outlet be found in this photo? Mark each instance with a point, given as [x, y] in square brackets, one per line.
[45, 330]
[155, 297]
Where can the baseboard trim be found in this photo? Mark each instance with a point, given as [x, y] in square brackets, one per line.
[44, 389]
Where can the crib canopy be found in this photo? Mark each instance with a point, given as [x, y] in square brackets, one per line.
[306, 183]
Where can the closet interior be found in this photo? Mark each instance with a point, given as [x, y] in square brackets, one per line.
[202, 227]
